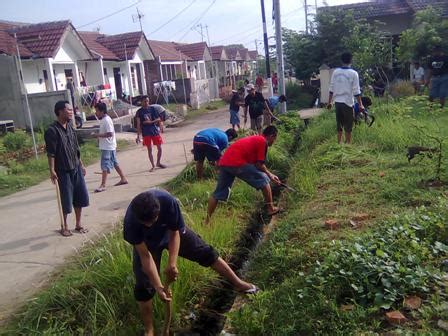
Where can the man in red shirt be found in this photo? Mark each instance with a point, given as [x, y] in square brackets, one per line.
[245, 159]
[259, 83]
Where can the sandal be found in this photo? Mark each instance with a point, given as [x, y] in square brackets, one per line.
[162, 166]
[120, 183]
[80, 229]
[65, 233]
[275, 212]
[100, 189]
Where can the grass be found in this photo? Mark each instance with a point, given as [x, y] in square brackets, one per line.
[94, 294]
[391, 241]
[22, 173]
[193, 113]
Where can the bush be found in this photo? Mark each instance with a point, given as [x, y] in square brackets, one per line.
[402, 89]
[16, 141]
[299, 97]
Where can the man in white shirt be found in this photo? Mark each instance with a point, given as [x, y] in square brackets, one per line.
[418, 78]
[343, 87]
[108, 146]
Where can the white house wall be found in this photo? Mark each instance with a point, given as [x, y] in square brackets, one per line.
[71, 50]
[92, 72]
[59, 72]
[33, 75]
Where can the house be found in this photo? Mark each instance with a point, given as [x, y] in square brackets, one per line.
[50, 53]
[221, 64]
[235, 57]
[397, 15]
[120, 62]
[200, 64]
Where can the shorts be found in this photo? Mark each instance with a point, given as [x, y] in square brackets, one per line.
[202, 151]
[248, 173]
[234, 117]
[344, 117]
[73, 189]
[439, 87]
[156, 140]
[192, 247]
[108, 160]
[256, 123]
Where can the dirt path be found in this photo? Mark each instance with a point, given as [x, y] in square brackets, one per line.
[31, 248]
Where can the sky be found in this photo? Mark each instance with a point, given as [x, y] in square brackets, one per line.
[227, 21]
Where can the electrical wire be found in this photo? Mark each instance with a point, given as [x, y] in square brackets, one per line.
[174, 17]
[109, 15]
[197, 20]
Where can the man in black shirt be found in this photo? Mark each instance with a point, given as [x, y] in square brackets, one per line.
[66, 166]
[438, 76]
[256, 104]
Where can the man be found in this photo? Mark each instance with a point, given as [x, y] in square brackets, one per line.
[272, 103]
[209, 143]
[154, 222]
[418, 78]
[234, 107]
[255, 104]
[148, 124]
[108, 145]
[245, 159]
[66, 167]
[438, 76]
[344, 85]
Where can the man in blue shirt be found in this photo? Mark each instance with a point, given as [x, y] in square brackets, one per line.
[148, 121]
[209, 143]
[275, 100]
[154, 222]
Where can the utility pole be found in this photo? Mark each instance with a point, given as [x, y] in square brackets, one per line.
[279, 43]
[306, 16]
[208, 36]
[202, 32]
[266, 47]
[138, 17]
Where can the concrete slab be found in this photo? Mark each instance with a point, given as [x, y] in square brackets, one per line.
[310, 113]
[30, 246]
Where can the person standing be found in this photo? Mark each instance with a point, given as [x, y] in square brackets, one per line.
[418, 78]
[438, 76]
[255, 104]
[153, 222]
[343, 87]
[245, 159]
[148, 125]
[209, 143]
[259, 82]
[234, 107]
[274, 82]
[108, 145]
[65, 164]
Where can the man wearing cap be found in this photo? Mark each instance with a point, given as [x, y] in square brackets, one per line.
[438, 76]
[255, 104]
[234, 107]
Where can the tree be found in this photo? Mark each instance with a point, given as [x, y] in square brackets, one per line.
[428, 29]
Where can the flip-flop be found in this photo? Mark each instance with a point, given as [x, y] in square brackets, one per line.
[275, 212]
[152, 169]
[120, 183]
[65, 233]
[100, 189]
[162, 166]
[81, 230]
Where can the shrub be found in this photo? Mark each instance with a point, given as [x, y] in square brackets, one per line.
[401, 89]
[16, 141]
[299, 96]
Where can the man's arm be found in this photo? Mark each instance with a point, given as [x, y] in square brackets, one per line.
[150, 122]
[53, 175]
[150, 269]
[139, 128]
[428, 80]
[173, 251]
[50, 146]
[330, 100]
[261, 166]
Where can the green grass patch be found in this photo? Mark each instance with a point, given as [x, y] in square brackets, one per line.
[392, 237]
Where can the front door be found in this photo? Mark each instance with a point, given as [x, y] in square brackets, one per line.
[139, 79]
[118, 87]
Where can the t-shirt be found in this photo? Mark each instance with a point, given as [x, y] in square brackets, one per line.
[259, 81]
[234, 102]
[419, 74]
[255, 104]
[273, 101]
[213, 137]
[249, 150]
[170, 218]
[148, 113]
[439, 65]
[106, 126]
[344, 85]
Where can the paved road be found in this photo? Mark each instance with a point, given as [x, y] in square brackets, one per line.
[31, 248]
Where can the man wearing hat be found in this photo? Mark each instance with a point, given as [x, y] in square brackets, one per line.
[255, 104]
[234, 108]
[438, 76]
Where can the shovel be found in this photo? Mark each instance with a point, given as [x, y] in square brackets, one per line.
[168, 311]
[287, 187]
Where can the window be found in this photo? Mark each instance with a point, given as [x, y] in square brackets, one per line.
[105, 71]
[133, 79]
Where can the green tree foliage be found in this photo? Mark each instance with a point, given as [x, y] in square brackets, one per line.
[335, 32]
[428, 29]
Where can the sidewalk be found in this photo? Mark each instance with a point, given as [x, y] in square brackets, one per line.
[30, 245]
